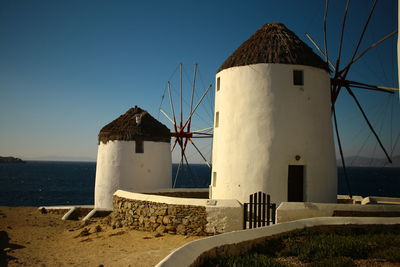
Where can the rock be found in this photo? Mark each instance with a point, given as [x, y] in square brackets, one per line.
[170, 228]
[86, 223]
[161, 211]
[84, 232]
[98, 229]
[161, 229]
[153, 219]
[43, 210]
[185, 221]
[165, 220]
[7, 249]
[145, 211]
[158, 235]
[181, 229]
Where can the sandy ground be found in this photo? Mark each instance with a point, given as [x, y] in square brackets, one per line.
[29, 238]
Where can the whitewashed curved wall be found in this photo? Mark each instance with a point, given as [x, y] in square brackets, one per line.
[264, 122]
[119, 167]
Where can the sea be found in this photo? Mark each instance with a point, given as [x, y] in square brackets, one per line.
[48, 183]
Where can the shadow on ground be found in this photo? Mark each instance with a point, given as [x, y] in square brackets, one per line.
[6, 246]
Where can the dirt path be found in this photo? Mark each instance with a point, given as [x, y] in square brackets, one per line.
[29, 238]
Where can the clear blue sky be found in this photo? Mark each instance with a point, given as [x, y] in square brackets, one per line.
[67, 68]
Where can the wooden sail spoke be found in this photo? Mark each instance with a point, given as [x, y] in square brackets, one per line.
[325, 38]
[320, 51]
[171, 102]
[361, 38]
[341, 152]
[341, 36]
[166, 115]
[201, 154]
[173, 147]
[366, 50]
[203, 130]
[181, 96]
[207, 134]
[190, 171]
[335, 94]
[368, 122]
[177, 171]
[197, 105]
[341, 83]
[370, 87]
[193, 89]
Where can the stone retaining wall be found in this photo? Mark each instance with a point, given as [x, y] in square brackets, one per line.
[159, 217]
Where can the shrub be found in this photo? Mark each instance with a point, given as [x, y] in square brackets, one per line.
[334, 262]
[390, 254]
[253, 260]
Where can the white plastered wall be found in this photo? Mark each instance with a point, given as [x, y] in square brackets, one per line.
[119, 167]
[264, 122]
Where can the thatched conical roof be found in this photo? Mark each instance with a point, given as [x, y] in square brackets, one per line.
[274, 43]
[135, 124]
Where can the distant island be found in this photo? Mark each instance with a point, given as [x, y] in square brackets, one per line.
[10, 160]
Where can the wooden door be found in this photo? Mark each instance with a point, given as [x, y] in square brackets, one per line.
[295, 183]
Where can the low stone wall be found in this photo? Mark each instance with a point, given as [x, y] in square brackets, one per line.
[159, 217]
[185, 216]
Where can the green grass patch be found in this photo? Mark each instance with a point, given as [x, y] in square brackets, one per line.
[323, 246]
[248, 260]
[334, 262]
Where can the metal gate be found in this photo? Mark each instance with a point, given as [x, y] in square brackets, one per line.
[259, 211]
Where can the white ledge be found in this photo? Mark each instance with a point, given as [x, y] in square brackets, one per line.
[177, 200]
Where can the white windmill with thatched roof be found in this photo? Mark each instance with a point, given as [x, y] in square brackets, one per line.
[133, 155]
[273, 130]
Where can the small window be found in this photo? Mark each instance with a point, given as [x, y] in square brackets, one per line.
[218, 83]
[139, 146]
[298, 77]
[214, 179]
[216, 119]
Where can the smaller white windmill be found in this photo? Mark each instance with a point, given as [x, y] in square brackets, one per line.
[133, 155]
